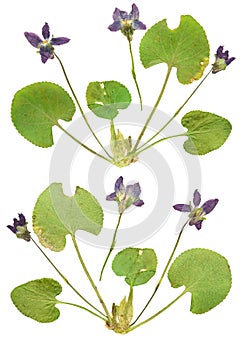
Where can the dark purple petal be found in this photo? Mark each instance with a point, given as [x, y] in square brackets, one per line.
[111, 197]
[209, 205]
[136, 24]
[134, 14]
[114, 27]
[199, 224]
[182, 207]
[22, 220]
[12, 228]
[228, 61]
[119, 186]
[220, 53]
[119, 15]
[59, 41]
[196, 198]
[33, 39]
[133, 190]
[138, 203]
[46, 31]
[46, 52]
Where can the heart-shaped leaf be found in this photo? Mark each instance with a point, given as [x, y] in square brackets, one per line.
[136, 264]
[105, 98]
[55, 215]
[206, 132]
[36, 299]
[37, 108]
[205, 274]
[185, 48]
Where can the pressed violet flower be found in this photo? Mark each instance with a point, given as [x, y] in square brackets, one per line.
[197, 213]
[222, 60]
[20, 228]
[127, 23]
[45, 46]
[125, 196]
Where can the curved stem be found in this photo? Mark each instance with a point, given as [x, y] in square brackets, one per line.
[90, 279]
[82, 144]
[158, 313]
[134, 74]
[111, 247]
[79, 106]
[65, 279]
[177, 112]
[83, 308]
[158, 141]
[153, 110]
[163, 274]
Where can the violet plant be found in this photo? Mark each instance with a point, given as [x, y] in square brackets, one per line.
[38, 107]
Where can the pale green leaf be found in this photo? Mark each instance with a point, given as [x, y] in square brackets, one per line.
[206, 132]
[136, 264]
[205, 274]
[106, 98]
[185, 48]
[36, 299]
[55, 215]
[37, 108]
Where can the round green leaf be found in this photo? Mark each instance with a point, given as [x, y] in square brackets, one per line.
[206, 131]
[37, 108]
[205, 274]
[136, 264]
[185, 48]
[36, 299]
[55, 215]
[106, 98]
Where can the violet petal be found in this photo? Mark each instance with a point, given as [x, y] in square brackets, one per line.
[196, 198]
[134, 14]
[228, 61]
[138, 203]
[12, 228]
[114, 27]
[209, 205]
[133, 190]
[136, 24]
[119, 186]
[46, 31]
[111, 197]
[59, 41]
[185, 208]
[22, 220]
[46, 52]
[33, 39]
[199, 224]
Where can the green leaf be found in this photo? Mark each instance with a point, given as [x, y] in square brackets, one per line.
[55, 215]
[206, 131]
[105, 98]
[205, 274]
[37, 108]
[136, 264]
[36, 299]
[185, 48]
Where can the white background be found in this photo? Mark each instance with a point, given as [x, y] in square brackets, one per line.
[94, 53]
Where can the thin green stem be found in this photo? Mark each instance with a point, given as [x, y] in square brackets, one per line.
[83, 308]
[65, 279]
[134, 74]
[112, 246]
[79, 106]
[158, 141]
[153, 110]
[163, 274]
[82, 144]
[156, 314]
[90, 279]
[177, 112]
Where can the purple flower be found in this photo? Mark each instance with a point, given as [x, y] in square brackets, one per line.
[45, 46]
[222, 60]
[20, 228]
[125, 196]
[197, 213]
[127, 23]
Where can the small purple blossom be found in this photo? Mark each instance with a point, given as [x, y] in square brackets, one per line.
[222, 60]
[127, 23]
[45, 46]
[197, 213]
[20, 228]
[125, 196]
